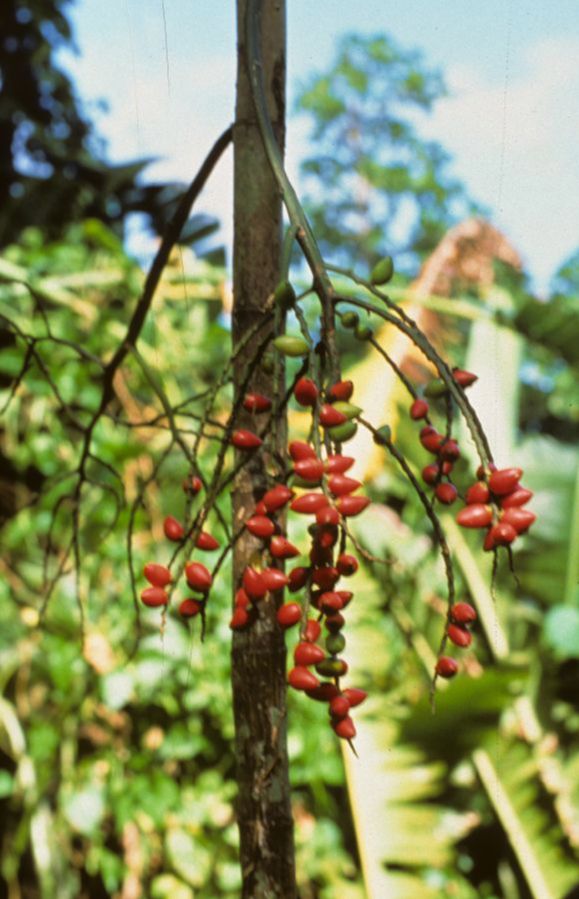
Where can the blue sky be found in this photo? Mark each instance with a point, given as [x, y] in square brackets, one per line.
[511, 121]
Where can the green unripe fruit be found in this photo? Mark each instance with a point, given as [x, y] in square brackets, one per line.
[332, 667]
[383, 435]
[348, 409]
[382, 271]
[267, 363]
[335, 643]
[291, 346]
[343, 432]
[363, 332]
[284, 295]
[349, 319]
[435, 388]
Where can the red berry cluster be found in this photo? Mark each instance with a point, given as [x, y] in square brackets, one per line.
[460, 617]
[197, 575]
[444, 447]
[329, 496]
[495, 502]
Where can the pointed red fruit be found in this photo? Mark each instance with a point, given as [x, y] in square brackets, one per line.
[276, 498]
[301, 679]
[198, 576]
[310, 470]
[153, 597]
[289, 614]
[157, 575]
[325, 578]
[342, 390]
[446, 493]
[260, 526]
[430, 439]
[446, 667]
[300, 450]
[349, 506]
[355, 696]
[330, 417]
[312, 630]
[520, 519]
[207, 542]
[173, 529]
[324, 692]
[502, 534]
[242, 600]
[253, 584]
[306, 392]
[419, 409]
[339, 707]
[309, 503]
[189, 608]
[338, 464]
[308, 654]
[192, 485]
[475, 516]
[464, 378]
[519, 497]
[245, 440]
[477, 493]
[463, 613]
[256, 402]
[459, 635]
[344, 728]
[340, 485]
[347, 564]
[449, 450]
[298, 578]
[281, 548]
[330, 602]
[240, 619]
[328, 516]
[505, 480]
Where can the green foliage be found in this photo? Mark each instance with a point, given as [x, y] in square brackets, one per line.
[374, 185]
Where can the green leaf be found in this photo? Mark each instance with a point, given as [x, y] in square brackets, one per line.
[561, 631]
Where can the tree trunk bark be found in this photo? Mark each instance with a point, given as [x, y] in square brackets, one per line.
[258, 655]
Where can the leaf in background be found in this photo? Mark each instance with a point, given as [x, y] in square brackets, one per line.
[561, 631]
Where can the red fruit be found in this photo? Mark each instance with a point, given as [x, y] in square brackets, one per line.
[489, 542]
[446, 493]
[475, 516]
[339, 707]
[459, 635]
[260, 526]
[338, 464]
[477, 493]
[329, 417]
[347, 564]
[240, 619]
[355, 696]
[330, 602]
[344, 728]
[153, 597]
[241, 599]
[281, 548]
[198, 576]
[276, 498]
[520, 519]
[346, 596]
[298, 578]
[308, 654]
[310, 469]
[311, 631]
[274, 579]
[260, 508]
[256, 402]
[446, 667]
[173, 529]
[192, 485]
[324, 692]
[430, 473]
[301, 679]
[431, 439]
[463, 613]
[519, 497]
[189, 608]
[321, 555]
[335, 622]
[300, 450]
[464, 378]
[306, 392]
[207, 542]
[505, 480]
[327, 536]
[419, 409]
[351, 505]
[157, 575]
[502, 534]
[245, 440]
[449, 450]
[309, 503]
[342, 390]
[340, 485]
[289, 614]
[325, 578]
[328, 516]
[253, 583]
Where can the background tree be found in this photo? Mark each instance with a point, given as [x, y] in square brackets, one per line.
[53, 165]
[373, 184]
